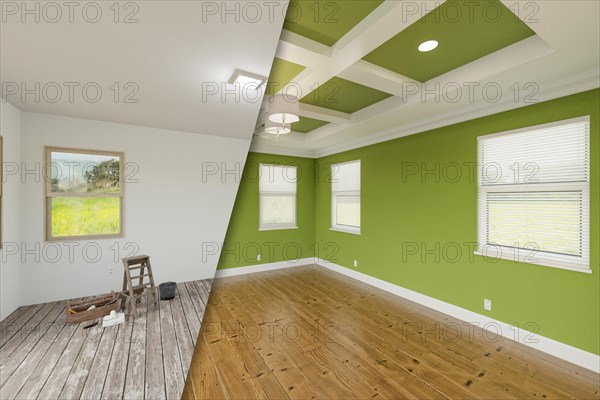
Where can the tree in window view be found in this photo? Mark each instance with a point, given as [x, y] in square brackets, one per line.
[103, 177]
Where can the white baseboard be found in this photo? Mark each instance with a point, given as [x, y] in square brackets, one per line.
[569, 353]
[224, 273]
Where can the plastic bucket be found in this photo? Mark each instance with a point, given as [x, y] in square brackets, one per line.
[167, 290]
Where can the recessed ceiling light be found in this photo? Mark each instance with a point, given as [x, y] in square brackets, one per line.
[247, 79]
[428, 45]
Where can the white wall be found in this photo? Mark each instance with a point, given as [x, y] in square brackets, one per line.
[169, 213]
[10, 128]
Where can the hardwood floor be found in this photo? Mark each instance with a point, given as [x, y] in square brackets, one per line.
[309, 333]
[41, 357]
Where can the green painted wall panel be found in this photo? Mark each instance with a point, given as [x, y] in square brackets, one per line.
[398, 207]
[401, 210]
[243, 240]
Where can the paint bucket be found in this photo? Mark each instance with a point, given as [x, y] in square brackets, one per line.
[167, 290]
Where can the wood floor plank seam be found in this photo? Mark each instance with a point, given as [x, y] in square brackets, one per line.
[108, 363]
[494, 361]
[410, 371]
[490, 348]
[400, 390]
[372, 337]
[27, 358]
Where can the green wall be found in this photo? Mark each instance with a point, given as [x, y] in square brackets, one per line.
[244, 241]
[398, 207]
[413, 225]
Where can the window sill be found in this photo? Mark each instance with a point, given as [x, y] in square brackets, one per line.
[346, 230]
[541, 261]
[276, 228]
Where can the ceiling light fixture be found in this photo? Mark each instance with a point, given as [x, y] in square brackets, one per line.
[275, 128]
[247, 79]
[284, 109]
[428, 46]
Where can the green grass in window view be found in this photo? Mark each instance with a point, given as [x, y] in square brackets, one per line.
[79, 216]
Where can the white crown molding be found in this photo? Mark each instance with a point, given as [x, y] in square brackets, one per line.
[264, 146]
[553, 347]
[568, 86]
[578, 83]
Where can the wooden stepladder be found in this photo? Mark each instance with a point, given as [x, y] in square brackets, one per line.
[144, 287]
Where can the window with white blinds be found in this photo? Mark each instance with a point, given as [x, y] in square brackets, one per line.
[345, 196]
[534, 194]
[277, 196]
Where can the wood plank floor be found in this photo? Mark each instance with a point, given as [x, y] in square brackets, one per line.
[309, 333]
[41, 357]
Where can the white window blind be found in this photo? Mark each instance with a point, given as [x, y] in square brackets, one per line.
[534, 194]
[277, 196]
[345, 200]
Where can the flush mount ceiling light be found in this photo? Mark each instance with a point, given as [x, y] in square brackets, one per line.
[247, 79]
[428, 46]
[284, 109]
[275, 128]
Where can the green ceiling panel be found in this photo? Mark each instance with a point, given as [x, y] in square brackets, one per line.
[465, 30]
[306, 124]
[342, 95]
[282, 73]
[326, 21]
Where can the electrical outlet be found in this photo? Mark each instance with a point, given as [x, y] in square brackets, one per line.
[487, 304]
[111, 270]
[355, 263]
[258, 257]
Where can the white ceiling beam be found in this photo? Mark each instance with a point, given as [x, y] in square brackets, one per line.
[385, 22]
[520, 53]
[379, 78]
[324, 114]
[301, 50]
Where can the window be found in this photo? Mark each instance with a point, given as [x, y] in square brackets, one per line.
[345, 197]
[84, 194]
[534, 189]
[277, 187]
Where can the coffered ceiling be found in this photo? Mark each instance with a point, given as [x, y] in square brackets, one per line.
[361, 79]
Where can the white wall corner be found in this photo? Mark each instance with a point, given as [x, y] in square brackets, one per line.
[10, 268]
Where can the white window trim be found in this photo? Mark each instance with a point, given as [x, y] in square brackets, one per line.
[545, 259]
[345, 228]
[49, 194]
[275, 227]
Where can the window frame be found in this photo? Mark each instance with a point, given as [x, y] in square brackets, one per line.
[530, 256]
[280, 226]
[48, 195]
[356, 230]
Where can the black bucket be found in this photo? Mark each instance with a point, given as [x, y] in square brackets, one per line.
[167, 290]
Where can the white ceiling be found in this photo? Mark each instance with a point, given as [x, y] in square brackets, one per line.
[563, 58]
[170, 54]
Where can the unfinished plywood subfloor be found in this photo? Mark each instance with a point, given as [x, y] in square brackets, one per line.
[41, 357]
[309, 333]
